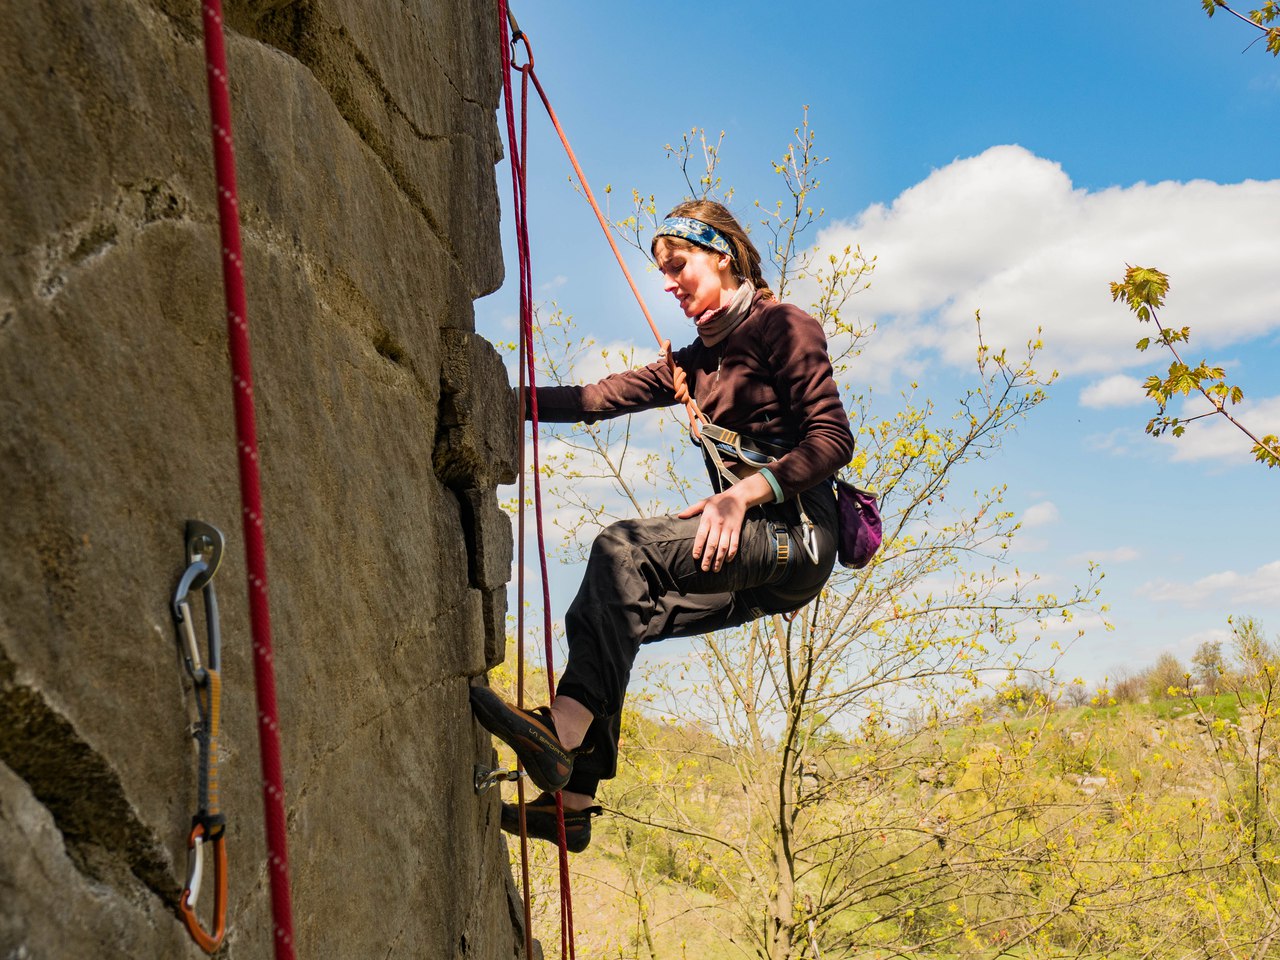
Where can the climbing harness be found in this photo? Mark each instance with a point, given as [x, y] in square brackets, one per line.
[204, 544]
[716, 442]
[752, 454]
[250, 485]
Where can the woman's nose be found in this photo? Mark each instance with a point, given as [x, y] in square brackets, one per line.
[668, 284]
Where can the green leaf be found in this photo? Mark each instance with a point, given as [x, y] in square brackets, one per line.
[1265, 452]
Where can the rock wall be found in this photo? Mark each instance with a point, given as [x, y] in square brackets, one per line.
[366, 145]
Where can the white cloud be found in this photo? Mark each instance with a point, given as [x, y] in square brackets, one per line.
[1114, 555]
[1192, 641]
[1125, 441]
[1117, 390]
[1243, 590]
[1216, 438]
[1039, 514]
[1008, 233]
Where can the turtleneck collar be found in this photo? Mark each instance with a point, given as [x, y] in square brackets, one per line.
[724, 321]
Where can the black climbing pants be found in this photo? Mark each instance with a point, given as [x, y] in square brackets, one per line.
[642, 584]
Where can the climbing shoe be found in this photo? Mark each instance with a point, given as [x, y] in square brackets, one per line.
[540, 822]
[530, 733]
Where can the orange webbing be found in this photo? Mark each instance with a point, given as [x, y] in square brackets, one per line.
[677, 375]
[215, 718]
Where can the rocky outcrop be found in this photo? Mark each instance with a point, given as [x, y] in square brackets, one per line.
[365, 142]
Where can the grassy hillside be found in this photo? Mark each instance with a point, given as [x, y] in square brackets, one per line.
[1126, 830]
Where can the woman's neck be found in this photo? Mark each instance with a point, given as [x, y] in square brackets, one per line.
[714, 328]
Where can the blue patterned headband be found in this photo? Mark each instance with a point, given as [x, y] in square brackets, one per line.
[695, 231]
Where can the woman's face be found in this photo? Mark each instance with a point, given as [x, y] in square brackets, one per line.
[701, 280]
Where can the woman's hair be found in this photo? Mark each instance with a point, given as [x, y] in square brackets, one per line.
[746, 259]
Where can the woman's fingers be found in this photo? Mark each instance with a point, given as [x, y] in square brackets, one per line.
[719, 532]
[719, 556]
[726, 548]
[706, 543]
[700, 539]
[712, 558]
[704, 546]
[718, 547]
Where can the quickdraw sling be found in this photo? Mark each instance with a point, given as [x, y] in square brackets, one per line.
[204, 545]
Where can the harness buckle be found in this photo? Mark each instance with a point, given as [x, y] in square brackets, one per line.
[782, 543]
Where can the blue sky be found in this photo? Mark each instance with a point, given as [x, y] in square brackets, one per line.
[1005, 156]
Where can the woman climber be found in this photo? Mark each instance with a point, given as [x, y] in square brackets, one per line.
[764, 543]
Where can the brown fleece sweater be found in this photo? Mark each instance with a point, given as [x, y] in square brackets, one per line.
[770, 379]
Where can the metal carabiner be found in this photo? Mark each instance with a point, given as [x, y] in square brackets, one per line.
[208, 942]
[187, 637]
[519, 36]
[204, 544]
[810, 540]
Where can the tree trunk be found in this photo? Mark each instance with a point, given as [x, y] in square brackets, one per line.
[782, 907]
[782, 902]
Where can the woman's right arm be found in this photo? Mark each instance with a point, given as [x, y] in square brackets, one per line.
[643, 388]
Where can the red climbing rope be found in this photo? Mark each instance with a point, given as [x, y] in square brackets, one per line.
[520, 190]
[517, 186]
[250, 488]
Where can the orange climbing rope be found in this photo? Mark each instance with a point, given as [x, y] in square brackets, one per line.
[696, 417]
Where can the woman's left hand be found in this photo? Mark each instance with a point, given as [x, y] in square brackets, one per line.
[716, 542]
[719, 531]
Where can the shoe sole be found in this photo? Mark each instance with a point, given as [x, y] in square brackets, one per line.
[541, 825]
[541, 755]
